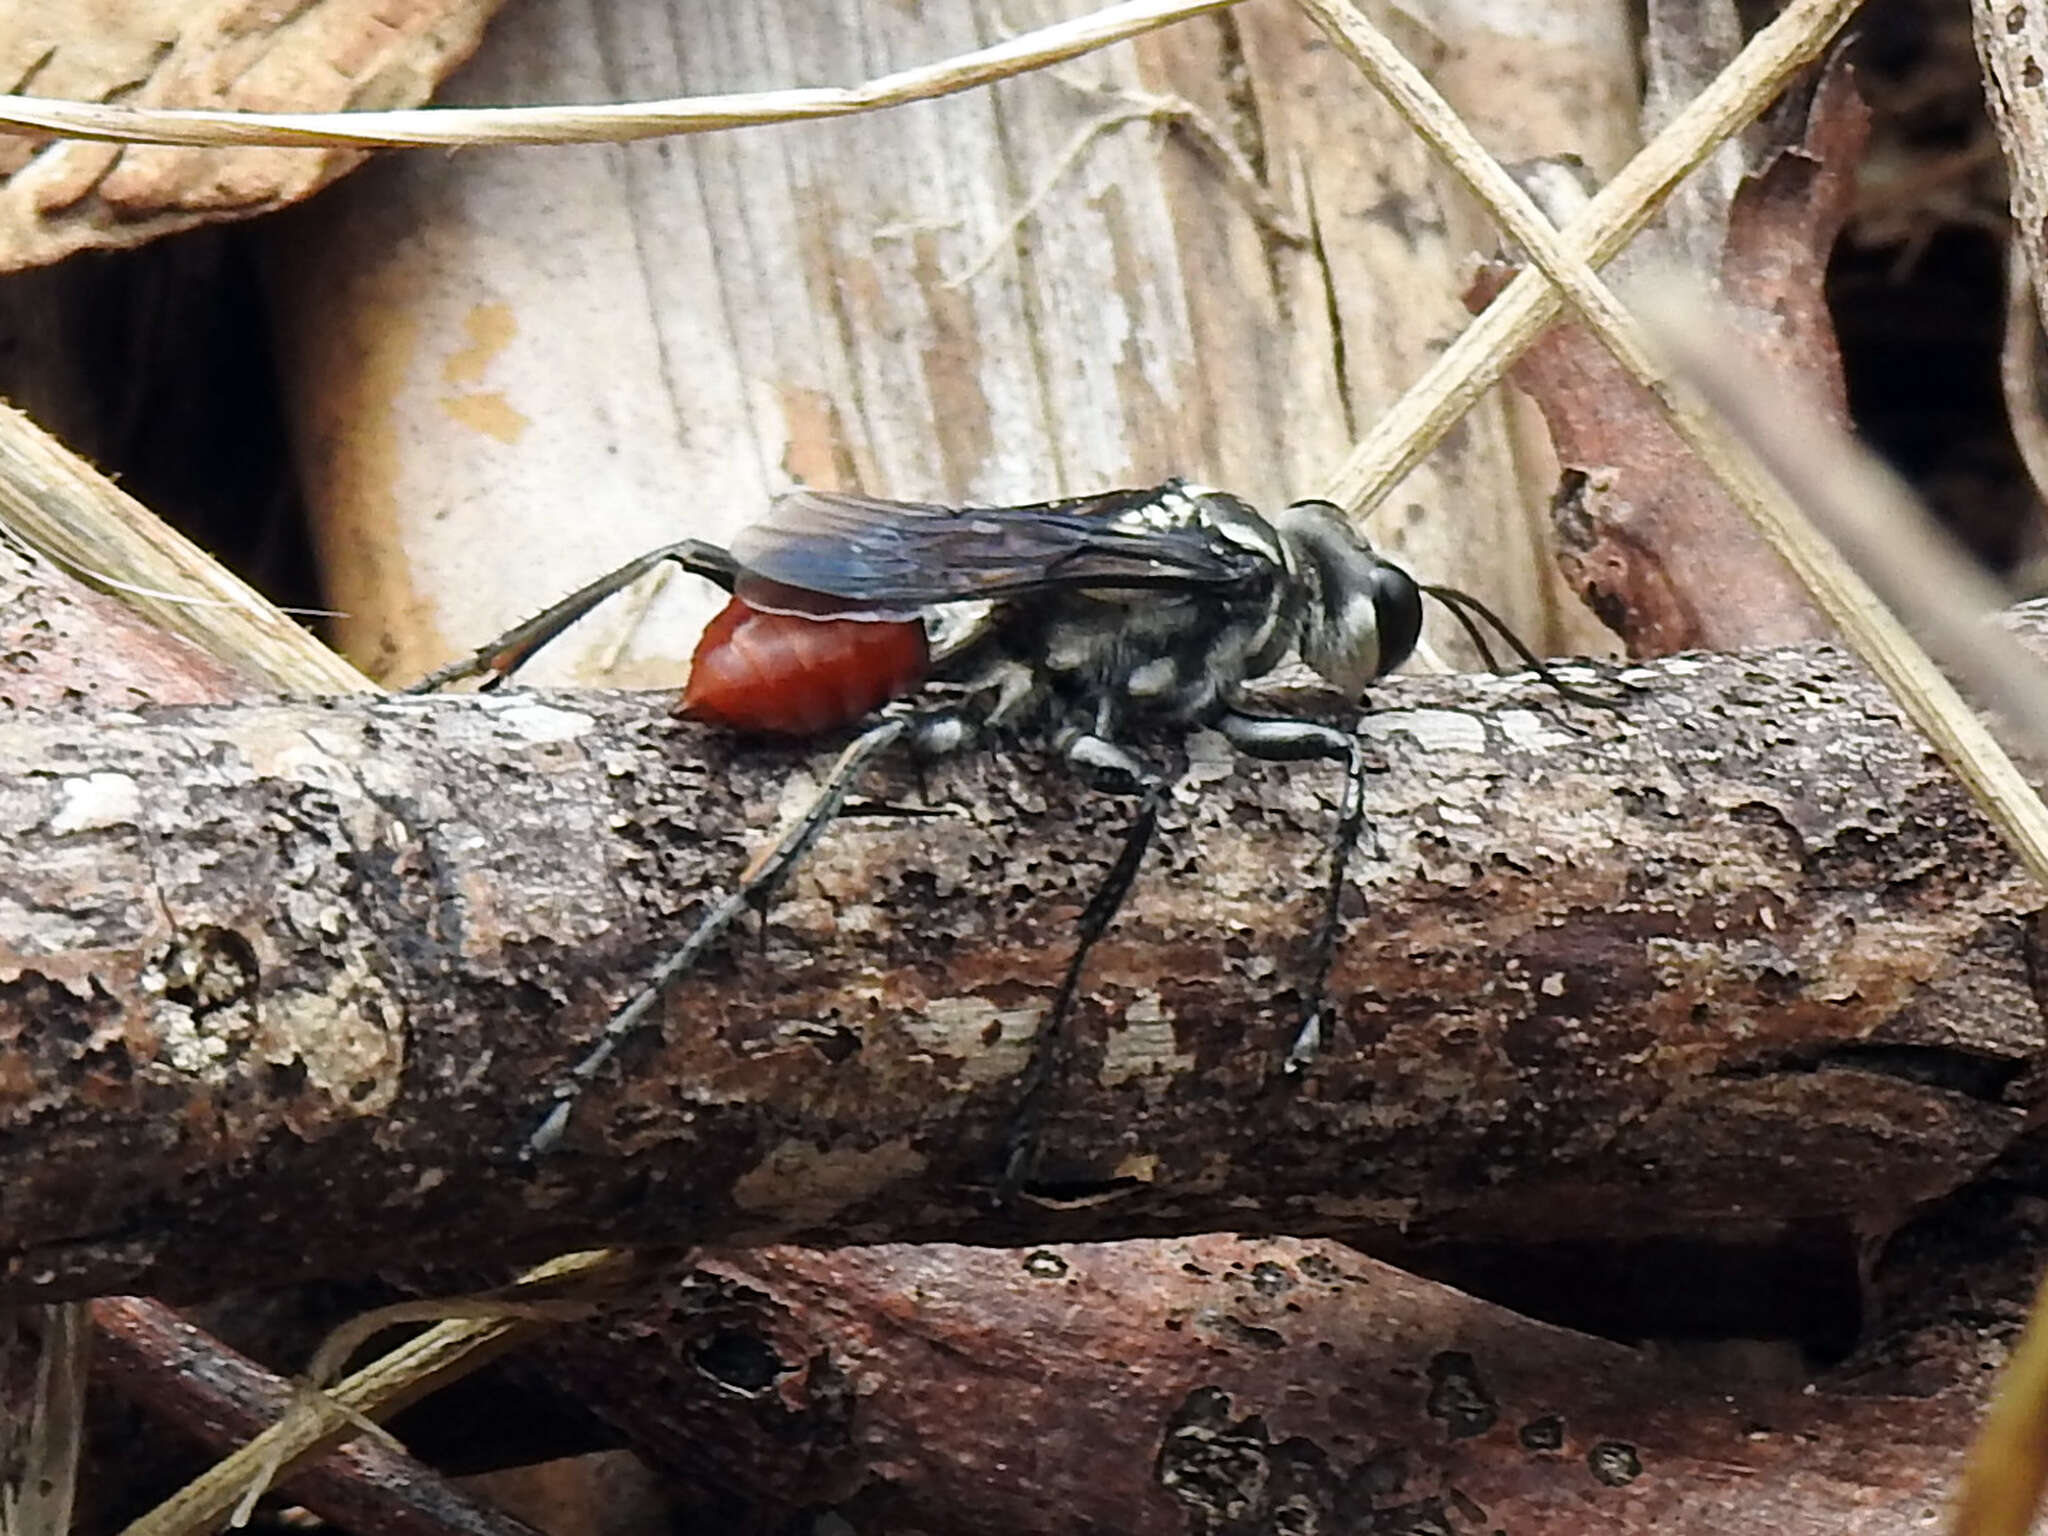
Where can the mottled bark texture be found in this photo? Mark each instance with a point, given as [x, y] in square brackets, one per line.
[282, 986]
[1248, 1389]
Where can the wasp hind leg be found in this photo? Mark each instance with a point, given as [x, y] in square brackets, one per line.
[757, 886]
[498, 659]
[1285, 740]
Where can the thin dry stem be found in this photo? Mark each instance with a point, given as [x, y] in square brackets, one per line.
[340, 1346]
[1488, 347]
[321, 1421]
[2003, 1478]
[459, 127]
[1922, 690]
[55, 502]
[1173, 112]
[1880, 526]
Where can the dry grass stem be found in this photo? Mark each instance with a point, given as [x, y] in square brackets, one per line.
[1925, 694]
[2006, 1470]
[320, 1421]
[56, 503]
[461, 127]
[1880, 528]
[1488, 347]
[1172, 112]
[60, 505]
[340, 1346]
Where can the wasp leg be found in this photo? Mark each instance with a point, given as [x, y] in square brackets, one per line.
[498, 659]
[1048, 1044]
[1282, 740]
[757, 886]
[1103, 762]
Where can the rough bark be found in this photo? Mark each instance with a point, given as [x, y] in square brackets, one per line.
[1251, 1384]
[1250, 1389]
[1736, 958]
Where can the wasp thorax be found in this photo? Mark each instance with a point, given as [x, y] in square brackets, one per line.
[1361, 615]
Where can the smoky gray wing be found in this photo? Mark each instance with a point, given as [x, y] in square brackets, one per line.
[905, 555]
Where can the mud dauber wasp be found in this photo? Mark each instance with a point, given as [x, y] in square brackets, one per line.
[1078, 623]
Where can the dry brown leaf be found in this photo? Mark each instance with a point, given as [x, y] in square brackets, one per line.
[327, 55]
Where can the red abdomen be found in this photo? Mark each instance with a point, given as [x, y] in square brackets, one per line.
[786, 675]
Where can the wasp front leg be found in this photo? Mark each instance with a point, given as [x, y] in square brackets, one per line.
[1101, 762]
[1279, 739]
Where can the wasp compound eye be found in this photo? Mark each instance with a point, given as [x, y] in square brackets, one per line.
[1397, 600]
[1360, 615]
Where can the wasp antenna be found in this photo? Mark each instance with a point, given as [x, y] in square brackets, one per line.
[1459, 602]
[1449, 597]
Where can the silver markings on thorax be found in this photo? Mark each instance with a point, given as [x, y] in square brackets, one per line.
[1202, 506]
[1153, 679]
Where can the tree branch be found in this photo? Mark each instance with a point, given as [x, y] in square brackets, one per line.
[283, 985]
[189, 1379]
[1265, 1386]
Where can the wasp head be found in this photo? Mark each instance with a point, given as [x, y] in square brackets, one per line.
[1361, 615]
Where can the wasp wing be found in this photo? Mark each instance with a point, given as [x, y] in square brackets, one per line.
[898, 557]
